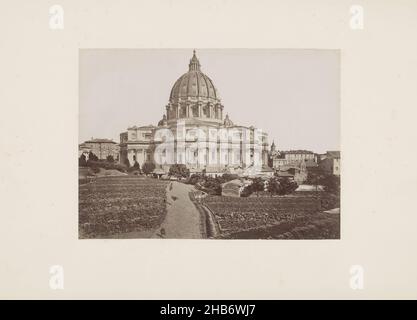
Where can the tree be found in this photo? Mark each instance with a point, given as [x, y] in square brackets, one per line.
[314, 176]
[257, 185]
[286, 186]
[92, 156]
[179, 171]
[82, 162]
[212, 185]
[281, 186]
[110, 158]
[273, 186]
[195, 178]
[148, 167]
[136, 166]
[331, 183]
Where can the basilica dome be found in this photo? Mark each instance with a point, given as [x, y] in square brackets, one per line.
[194, 85]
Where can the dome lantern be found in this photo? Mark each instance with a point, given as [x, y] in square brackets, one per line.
[194, 63]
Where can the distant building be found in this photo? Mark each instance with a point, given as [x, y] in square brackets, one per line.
[292, 164]
[279, 159]
[102, 148]
[330, 162]
[139, 139]
[296, 171]
[298, 155]
[310, 164]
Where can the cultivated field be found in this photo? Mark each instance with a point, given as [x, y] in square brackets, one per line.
[113, 206]
[292, 217]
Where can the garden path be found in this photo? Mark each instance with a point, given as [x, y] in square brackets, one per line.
[183, 219]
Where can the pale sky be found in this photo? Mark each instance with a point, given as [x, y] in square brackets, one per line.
[293, 95]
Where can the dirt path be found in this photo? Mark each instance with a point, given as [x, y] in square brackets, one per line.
[183, 219]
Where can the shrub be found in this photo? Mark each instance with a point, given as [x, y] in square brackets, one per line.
[273, 186]
[314, 176]
[135, 167]
[82, 162]
[195, 178]
[247, 191]
[286, 186]
[107, 165]
[257, 185]
[213, 185]
[179, 171]
[229, 177]
[331, 183]
[92, 156]
[148, 167]
[281, 186]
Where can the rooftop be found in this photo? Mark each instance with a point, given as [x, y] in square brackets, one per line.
[143, 127]
[333, 154]
[297, 152]
[98, 140]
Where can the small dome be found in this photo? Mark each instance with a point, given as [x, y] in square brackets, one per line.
[227, 122]
[163, 122]
[194, 85]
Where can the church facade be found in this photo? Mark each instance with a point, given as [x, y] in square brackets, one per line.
[195, 131]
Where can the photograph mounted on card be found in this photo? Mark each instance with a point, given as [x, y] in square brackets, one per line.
[209, 144]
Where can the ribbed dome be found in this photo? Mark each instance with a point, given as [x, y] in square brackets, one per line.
[194, 84]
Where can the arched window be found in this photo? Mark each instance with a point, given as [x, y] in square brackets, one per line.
[206, 111]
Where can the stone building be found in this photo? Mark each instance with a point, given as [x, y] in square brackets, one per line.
[102, 148]
[330, 162]
[292, 163]
[298, 155]
[195, 131]
[279, 159]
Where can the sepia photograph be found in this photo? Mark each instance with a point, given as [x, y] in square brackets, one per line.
[209, 144]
